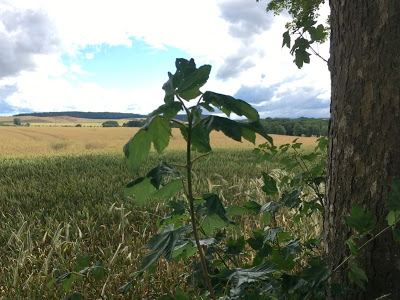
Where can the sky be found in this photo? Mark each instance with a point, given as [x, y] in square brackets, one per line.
[99, 55]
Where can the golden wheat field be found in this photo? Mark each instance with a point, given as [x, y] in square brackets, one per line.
[34, 141]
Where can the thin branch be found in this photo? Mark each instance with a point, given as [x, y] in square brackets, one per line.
[200, 156]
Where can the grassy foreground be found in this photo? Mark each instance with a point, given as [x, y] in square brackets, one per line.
[54, 208]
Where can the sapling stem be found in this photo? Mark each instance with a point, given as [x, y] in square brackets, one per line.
[191, 205]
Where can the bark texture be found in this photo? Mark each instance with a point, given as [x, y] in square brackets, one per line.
[364, 144]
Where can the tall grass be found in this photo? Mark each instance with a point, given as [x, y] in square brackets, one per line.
[54, 208]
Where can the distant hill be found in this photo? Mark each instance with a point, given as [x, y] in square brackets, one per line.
[85, 115]
[94, 115]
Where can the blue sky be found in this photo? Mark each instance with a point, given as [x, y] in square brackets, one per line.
[114, 55]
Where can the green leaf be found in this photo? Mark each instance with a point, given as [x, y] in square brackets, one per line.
[181, 295]
[169, 89]
[271, 234]
[286, 39]
[317, 33]
[359, 220]
[393, 197]
[356, 274]
[156, 174]
[230, 128]
[168, 110]
[98, 271]
[137, 149]
[302, 56]
[162, 244]
[201, 139]
[352, 246]
[291, 199]
[184, 252]
[252, 206]
[68, 281]
[213, 205]
[141, 189]
[391, 218]
[249, 135]
[235, 247]
[210, 223]
[168, 190]
[271, 206]
[233, 210]
[190, 86]
[229, 104]
[269, 186]
[82, 262]
[257, 127]
[160, 132]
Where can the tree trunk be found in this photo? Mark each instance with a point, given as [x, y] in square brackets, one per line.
[364, 143]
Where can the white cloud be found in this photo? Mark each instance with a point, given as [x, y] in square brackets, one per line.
[237, 37]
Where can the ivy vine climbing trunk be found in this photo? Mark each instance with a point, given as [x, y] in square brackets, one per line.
[364, 143]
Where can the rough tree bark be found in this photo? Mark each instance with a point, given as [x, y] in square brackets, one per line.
[364, 143]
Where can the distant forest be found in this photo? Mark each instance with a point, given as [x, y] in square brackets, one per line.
[283, 126]
[296, 127]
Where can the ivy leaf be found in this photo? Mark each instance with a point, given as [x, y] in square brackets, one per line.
[168, 110]
[160, 132]
[359, 220]
[137, 149]
[162, 244]
[269, 186]
[393, 197]
[286, 39]
[229, 104]
[357, 275]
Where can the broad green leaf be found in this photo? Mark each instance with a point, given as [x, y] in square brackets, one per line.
[317, 33]
[286, 39]
[229, 104]
[162, 244]
[141, 189]
[169, 190]
[396, 234]
[188, 89]
[210, 223]
[252, 206]
[302, 56]
[82, 262]
[291, 199]
[270, 236]
[356, 274]
[160, 132]
[249, 135]
[201, 139]
[68, 281]
[269, 186]
[393, 197]
[184, 252]
[257, 127]
[233, 210]
[230, 128]
[137, 149]
[235, 247]
[181, 295]
[352, 246]
[391, 218]
[168, 111]
[359, 220]
[206, 106]
[213, 205]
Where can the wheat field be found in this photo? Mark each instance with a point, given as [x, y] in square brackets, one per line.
[39, 141]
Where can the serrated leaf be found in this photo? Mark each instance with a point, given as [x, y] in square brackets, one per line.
[189, 88]
[229, 104]
[269, 186]
[393, 197]
[357, 275]
[159, 132]
[317, 33]
[359, 220]
[137, 149]
[249, 135]
[230, 128]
